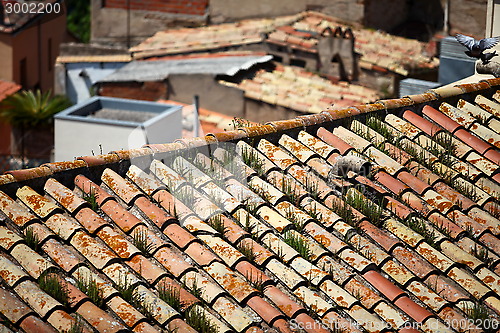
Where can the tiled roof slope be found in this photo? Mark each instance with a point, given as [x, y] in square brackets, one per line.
[208, 38]
[16, 18]
[300, 90]
[378, 49]
[254, 229]
[8, 88]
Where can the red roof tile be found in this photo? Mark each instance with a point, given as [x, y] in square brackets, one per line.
[289, 87]
[7, 89]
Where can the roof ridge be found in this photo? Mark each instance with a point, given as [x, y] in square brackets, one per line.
[268, 128]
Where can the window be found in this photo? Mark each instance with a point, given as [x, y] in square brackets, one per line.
[50, 61]
[298, 63]
[23, 73]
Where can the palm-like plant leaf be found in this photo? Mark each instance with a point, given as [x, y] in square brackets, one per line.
[28, 108]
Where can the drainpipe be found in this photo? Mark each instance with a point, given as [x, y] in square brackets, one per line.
[128, 24]
[196, 124]
[446, 23]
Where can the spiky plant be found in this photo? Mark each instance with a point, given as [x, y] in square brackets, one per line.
[29, 109]
[31, 239]
[90, 287]
[198, 320]
[247, 250]
[171, 295]
[141, 241]
[52, 285]
[299, 244]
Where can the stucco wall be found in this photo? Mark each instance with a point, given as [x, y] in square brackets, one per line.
[26, 46]
[32, 44]
[263, 112]
[230, 10]
[6, 72]
[213, 96]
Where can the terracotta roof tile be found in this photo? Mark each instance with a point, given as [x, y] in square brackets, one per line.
[8, 88]
[286, 86]
[424, 260]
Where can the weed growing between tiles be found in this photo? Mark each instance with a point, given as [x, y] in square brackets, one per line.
[299, 244]
[217, 223]
[342, 209]
[51, 284]
[256, 281]
[312, 188]
[89, 287]
[467, 189]
[76, 327]
[141, 241]
[248, 226]
[297, 223]
[480, 316]
[198, 320]
[375, 123]
[91, 199]
[251, 158]
[130, 294]
[186, 195]
[420, 155]
[251, 207]
[420, 227]
[237, 122]
[290, 190]
[231, 164]
[196, 290]
[482, 254]
[214, 171]
[446, 154]
[373, 211]
[247, 250]
[171, 295]
[444, 229]
[31, 239]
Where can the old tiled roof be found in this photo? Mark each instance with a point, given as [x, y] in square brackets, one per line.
[17, 18]
[94, 58]
[378, 49]
[218, 36]
[301, 90]
[8, 88]
[278, 225]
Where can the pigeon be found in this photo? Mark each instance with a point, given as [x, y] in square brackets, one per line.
[476, 48]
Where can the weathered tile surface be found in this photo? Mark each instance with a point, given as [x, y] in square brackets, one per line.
[277, 237]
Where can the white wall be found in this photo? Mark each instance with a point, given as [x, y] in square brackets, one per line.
[79, 138]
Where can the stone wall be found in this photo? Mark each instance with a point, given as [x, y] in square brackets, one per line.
[190, 7]
[231, 10]
[468, 17]
[114, 25]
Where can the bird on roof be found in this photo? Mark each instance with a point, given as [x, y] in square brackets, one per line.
[476, 47]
